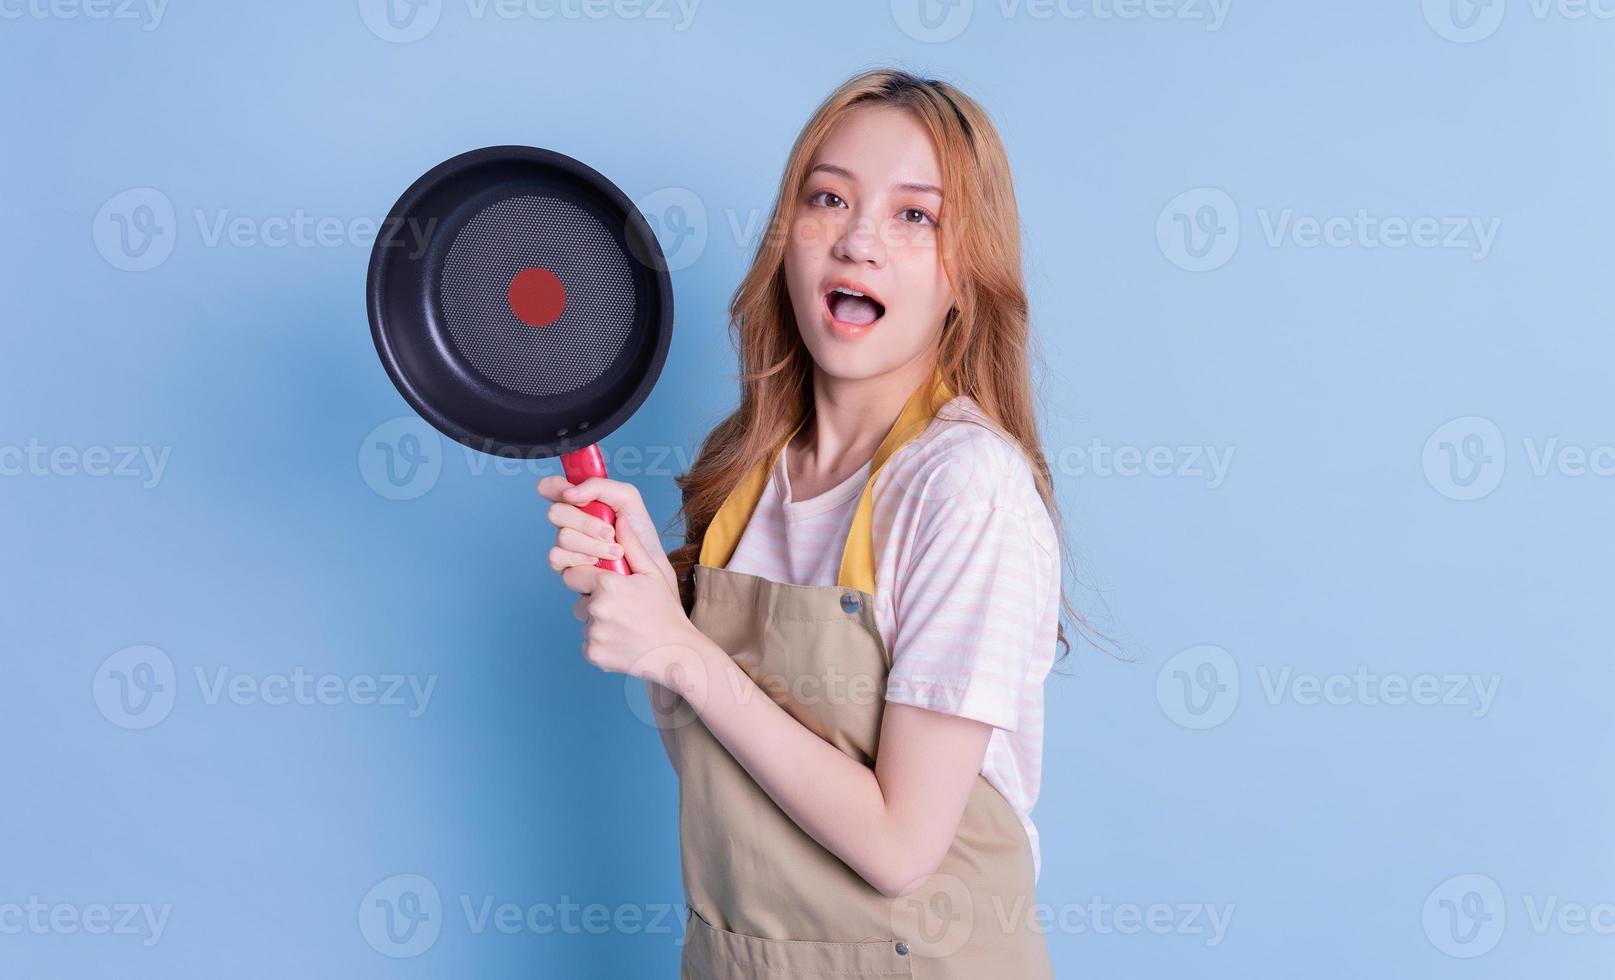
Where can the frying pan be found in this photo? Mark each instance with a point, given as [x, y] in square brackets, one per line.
[522, 306]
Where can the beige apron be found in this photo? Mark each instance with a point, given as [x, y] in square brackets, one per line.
[768, 902]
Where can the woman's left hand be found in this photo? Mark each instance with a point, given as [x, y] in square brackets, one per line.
[633, 624]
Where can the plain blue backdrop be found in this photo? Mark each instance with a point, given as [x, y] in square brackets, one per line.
[290, 691]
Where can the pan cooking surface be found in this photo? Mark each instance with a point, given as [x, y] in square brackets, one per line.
[537, 232]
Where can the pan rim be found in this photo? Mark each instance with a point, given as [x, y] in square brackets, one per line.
[642, 244]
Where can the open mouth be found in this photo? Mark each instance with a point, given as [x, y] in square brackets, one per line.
[853, 306]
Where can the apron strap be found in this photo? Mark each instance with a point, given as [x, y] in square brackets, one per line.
[858, 553]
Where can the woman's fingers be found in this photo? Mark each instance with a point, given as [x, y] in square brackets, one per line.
[562, 559]
[567, 510]
[581, 578]
[617, 495]
[551, 487]
[568, 516]
[587, 544]
[584, 539]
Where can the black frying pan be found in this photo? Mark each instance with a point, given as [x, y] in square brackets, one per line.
[522, 306]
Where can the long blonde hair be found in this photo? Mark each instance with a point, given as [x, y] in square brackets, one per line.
[984, 347]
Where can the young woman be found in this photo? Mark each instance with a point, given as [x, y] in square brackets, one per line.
[857, 631]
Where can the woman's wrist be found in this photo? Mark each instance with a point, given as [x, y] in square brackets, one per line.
[682, 666]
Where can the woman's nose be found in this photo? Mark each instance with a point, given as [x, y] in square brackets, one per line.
[860, 242]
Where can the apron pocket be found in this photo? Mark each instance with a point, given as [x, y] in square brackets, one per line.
[711, 953]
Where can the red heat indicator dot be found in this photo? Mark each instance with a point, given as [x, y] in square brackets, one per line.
[537, 297]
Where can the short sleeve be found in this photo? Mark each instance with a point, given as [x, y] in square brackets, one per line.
[966, 617]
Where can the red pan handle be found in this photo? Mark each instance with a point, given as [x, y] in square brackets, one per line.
[579, 466]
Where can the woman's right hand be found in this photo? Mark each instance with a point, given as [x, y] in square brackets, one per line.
[582, 539]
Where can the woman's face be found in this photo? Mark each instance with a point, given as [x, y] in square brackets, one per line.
[866, 221]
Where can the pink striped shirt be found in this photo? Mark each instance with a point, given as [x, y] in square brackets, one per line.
[967, 580]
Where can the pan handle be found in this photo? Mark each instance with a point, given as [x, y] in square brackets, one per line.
[579, 466]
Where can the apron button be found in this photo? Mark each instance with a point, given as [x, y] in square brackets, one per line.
[849, 603]
[902, 949]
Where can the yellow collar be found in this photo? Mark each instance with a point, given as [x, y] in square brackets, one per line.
[857, 555]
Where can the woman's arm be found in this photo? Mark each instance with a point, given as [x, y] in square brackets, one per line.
[893, 824]
[969, 601]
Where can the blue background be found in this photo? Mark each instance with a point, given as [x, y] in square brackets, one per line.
[1180, 773]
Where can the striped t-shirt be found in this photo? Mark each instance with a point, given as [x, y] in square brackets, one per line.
[967, 580]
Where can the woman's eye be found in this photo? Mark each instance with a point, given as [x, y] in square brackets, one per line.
[827, 198]
[916, 216]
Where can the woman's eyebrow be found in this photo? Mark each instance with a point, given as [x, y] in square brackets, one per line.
[831, 168]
